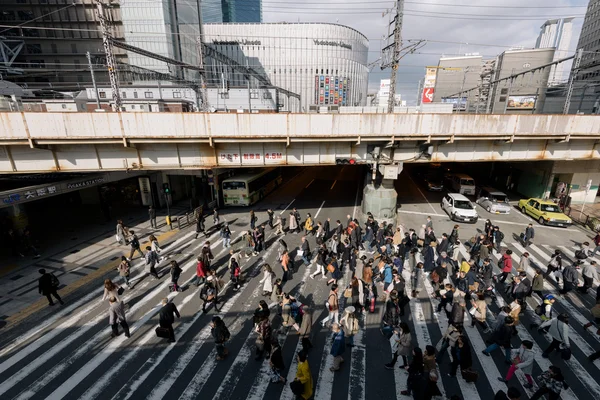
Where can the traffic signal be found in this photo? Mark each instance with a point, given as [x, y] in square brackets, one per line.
[166, 188]
[345, 161]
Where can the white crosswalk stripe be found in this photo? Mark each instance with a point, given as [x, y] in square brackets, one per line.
[142, 357]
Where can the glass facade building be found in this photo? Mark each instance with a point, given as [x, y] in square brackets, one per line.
[214, 11]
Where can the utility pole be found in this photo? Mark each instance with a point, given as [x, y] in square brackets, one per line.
[199, 48]
[574, 73]
[394, 48]
[111, 63]
[89, 57]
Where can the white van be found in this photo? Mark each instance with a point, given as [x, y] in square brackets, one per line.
[460, 183]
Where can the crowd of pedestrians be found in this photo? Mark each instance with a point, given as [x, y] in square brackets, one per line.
[386, 264]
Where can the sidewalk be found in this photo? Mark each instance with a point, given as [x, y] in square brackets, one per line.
[589, 218]
[76, 257]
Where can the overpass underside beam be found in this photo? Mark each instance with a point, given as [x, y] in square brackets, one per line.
[149, 154]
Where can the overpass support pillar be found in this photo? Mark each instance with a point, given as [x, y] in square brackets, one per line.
[380, 200]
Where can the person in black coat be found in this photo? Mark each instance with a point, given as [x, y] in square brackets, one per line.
[167, 317]
[443, 246]
[457, 315]
[461, 356]
[276, 363]
[47, 289]
[326, 228]
[200, 225]
[415, 371]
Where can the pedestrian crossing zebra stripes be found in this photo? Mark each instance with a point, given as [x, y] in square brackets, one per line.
[86, 364]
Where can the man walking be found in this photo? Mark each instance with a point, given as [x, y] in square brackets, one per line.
[151, 260]
[270, 214]
[338, 347]
[135, 245]
[167, 318]
[528, 235]
[305, 251]
[47, 286]
[226, 235]
[590, 274]
[497, 237]
[116, 312]
[152, 215]
[200, 225]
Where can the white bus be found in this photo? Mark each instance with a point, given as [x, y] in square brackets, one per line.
[247, 189]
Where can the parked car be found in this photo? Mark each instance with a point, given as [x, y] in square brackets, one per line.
[434, 184]
[460, 183]
[545, 212]
[459, 208]
[494, 201]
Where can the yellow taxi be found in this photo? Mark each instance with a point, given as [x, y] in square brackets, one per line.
[545, 211]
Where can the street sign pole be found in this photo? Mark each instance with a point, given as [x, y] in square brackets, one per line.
[588, 186]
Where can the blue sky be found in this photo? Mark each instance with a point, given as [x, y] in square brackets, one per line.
[451, 22]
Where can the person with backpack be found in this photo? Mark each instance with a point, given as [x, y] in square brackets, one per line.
[545, 310]
[134, 242]
[220, 334]
[558, 328]
[506, 264]
[226, 235]
[209, 295]
[350, 324]
[47, 286]
[124, 268]
[167, 317]
[552, 383]
[151, 260]
[497, 238]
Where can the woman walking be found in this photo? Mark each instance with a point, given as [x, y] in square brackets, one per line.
[401, 342]
[461, 356]
[304, 377]
[308, 225]
[336, 274]
[220, 334]
[293, 223]
[154, 244]
[285, 265]
[415, 370]
[267, 280]
[111, 290]
[253, 220]
[276, 363]
[201, 272]
[124, 270]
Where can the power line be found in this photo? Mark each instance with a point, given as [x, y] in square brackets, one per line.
[433, 4]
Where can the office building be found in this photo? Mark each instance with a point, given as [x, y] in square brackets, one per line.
[525, 94]
[556, 33]
[454, 77]
[57, 53]
[214, 11]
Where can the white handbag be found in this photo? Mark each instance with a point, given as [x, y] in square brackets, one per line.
[300, 252]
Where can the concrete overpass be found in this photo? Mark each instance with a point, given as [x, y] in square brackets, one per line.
[41, 142]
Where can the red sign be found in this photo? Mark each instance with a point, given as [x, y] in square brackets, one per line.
[427, 95]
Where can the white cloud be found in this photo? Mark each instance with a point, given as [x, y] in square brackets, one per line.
[520, 31]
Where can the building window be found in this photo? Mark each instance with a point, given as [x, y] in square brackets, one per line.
[25, 15]
[133, 106]
[64, 106]
[504, 91]
[148, 95]
[7, 16]
[502, 99]
[124, 95]
[176, 95]
[54, 48]
[74, 48]
[267, 95]
[80, 78]
[102, 95]
[224, 95]
[135, 95]
[57, 64]
[254, 94]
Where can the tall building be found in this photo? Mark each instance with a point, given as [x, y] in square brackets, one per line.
[55, 39]
[556, 33]
[231, 11]
[455, 75]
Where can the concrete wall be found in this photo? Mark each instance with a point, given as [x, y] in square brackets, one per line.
[462, 73]
[579, 173]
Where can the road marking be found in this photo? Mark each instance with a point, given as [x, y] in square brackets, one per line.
[324, 387]
[306, 187]
[358, 364]
[421, 213]
[319, 210]
[64, 389]
[261, 383]
[334, 182]
[183, 361]
[288, 206]
[496, 221]
[56, 331]
[206, 369]
[419, 189]
[101, 384]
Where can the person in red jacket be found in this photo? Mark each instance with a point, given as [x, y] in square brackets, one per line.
[506, 265]
[201, 272]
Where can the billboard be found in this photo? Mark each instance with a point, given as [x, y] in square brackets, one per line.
[331, 90]
[458, 103]
[427, 95]
[384, 87]
[430, 75]
[521, 102]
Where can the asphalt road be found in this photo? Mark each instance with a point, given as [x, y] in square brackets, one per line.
[69, 354]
